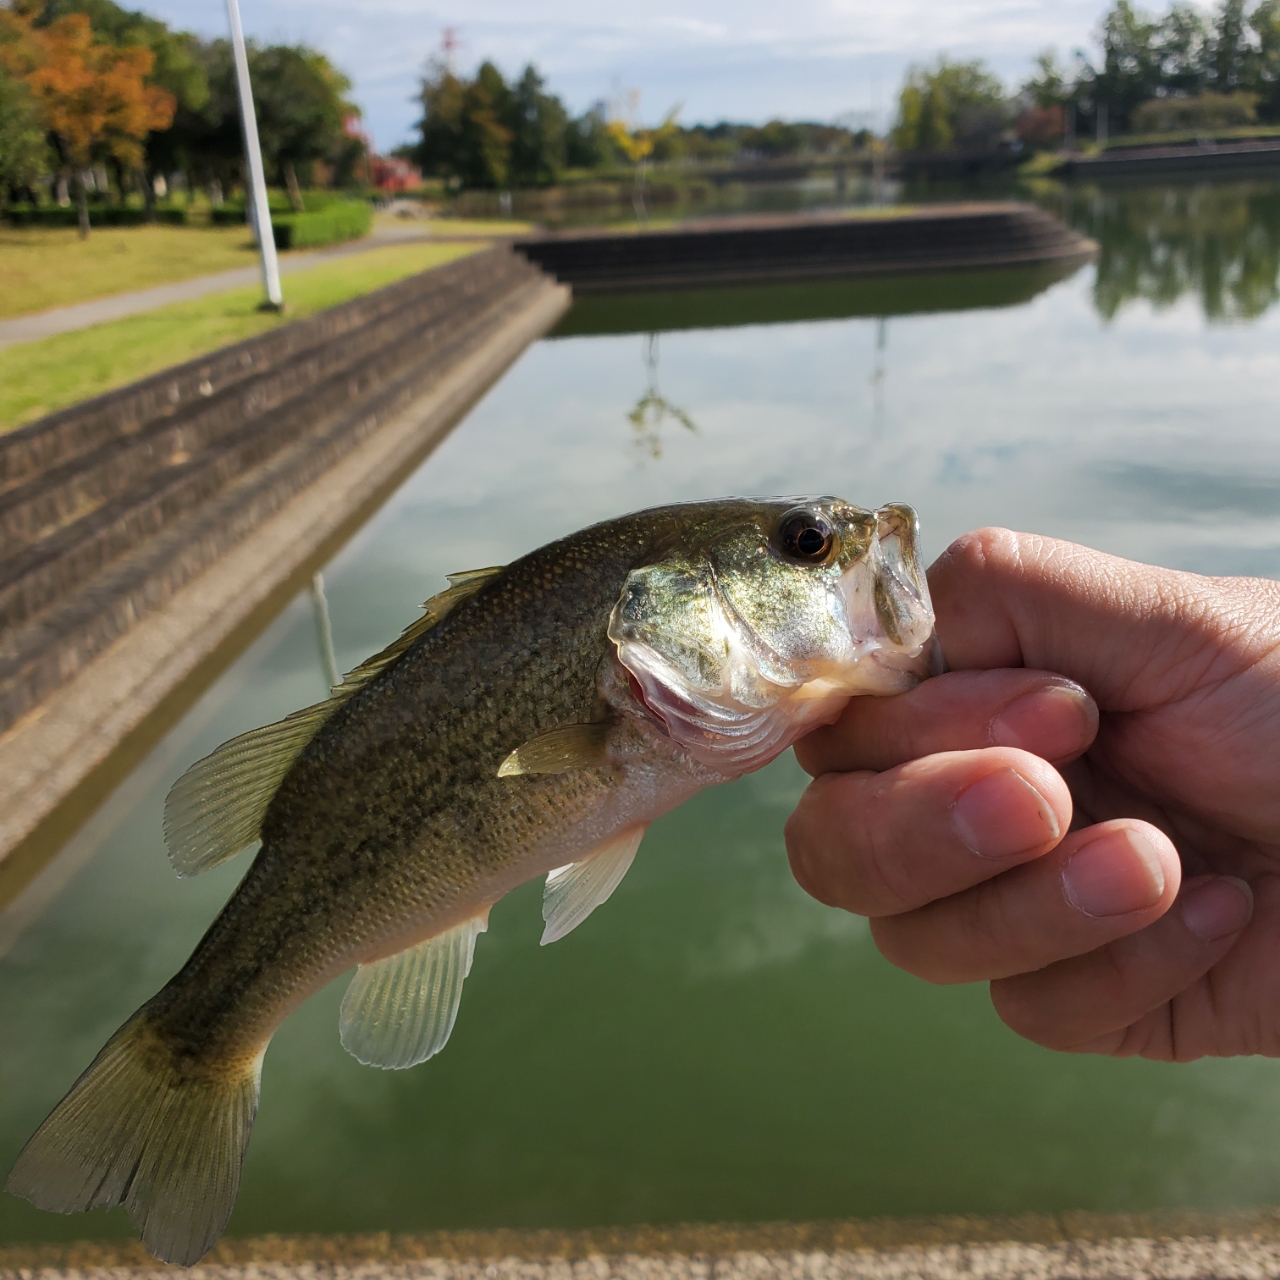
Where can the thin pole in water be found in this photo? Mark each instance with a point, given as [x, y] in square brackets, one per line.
[324, 632]
[257, 179]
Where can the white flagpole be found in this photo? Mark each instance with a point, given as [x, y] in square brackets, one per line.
[257, 179]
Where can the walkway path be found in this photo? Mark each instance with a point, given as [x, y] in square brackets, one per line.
[45, 324]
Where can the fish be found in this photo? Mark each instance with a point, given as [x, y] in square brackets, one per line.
[533, 722]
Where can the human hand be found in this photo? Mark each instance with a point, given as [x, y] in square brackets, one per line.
[1126, 901]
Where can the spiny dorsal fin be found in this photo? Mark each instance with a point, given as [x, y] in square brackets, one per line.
[216, 808]
[571, 746]
[462, 587]
[400, 1011]
[574, 891]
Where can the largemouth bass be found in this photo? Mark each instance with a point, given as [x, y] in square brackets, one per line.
[533, 722]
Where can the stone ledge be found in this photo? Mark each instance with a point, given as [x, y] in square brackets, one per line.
[1071, 1246]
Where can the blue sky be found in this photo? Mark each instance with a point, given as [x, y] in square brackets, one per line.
[803, 59]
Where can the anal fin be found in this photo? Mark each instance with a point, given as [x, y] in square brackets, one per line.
[575, 890]
[400, 1011]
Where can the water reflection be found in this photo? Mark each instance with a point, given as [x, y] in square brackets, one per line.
[652, 409]
[1159, 243]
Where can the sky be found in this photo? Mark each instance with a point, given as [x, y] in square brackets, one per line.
[747, 60]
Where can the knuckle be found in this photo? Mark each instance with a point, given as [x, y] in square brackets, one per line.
[905, 943]
[981, 551]
[1017, 1005]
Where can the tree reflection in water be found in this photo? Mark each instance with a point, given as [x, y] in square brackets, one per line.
[1159, 243]
[652, 410]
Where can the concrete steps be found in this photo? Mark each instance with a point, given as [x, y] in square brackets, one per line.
[107, 508]
[755, 250]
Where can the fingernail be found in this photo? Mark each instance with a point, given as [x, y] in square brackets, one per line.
[1217, 907]
[1114, 874]
[1002, 815]
[1054, 721]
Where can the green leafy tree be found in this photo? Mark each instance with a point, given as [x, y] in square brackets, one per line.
[24, 153]
[1131, 71]
[483, 132]
[1181, 45]
[300, 99]
[955, 104]
[586, 139]
[775, 139]
[538, 122]
[1049, 85]
[1230, 54]
[1264, 22]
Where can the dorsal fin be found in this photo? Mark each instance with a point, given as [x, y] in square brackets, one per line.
[216, 808]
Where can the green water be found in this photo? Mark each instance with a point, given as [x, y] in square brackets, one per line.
[711, 1044]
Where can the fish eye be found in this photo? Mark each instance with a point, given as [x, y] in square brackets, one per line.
[806, 536]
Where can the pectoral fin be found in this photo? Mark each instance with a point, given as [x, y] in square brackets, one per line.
[399, 1011]
[575, 890]
[572, 746]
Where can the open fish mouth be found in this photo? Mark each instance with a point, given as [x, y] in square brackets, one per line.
[735, 686]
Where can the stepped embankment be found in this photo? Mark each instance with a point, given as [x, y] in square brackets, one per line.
[756, 250]
[138, 530]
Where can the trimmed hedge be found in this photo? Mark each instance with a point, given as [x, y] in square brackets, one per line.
[99, 216]
[346, 221]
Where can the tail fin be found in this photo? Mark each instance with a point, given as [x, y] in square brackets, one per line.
[142, 1128]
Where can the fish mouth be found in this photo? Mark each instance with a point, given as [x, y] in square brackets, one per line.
[889, 611]
[762, 701]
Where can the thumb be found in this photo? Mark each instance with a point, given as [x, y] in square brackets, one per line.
[1134, 635]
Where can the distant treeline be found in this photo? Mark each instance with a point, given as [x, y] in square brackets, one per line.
[86, 85]
[1183, 70]
[483, 131]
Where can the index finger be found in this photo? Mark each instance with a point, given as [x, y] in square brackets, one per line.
[1134, 635]
[1035, 711]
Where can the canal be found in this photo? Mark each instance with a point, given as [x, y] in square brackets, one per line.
[712, 1045]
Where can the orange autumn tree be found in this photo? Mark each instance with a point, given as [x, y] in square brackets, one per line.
[92, 96]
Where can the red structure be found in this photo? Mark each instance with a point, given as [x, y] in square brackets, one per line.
[390, 173]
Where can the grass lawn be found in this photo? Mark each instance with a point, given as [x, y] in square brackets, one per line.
[43, 267]
[38, 377]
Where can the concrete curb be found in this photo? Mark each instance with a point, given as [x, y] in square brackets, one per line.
[1071, 1246]
[47, 753]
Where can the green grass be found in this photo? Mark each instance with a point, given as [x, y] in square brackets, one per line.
[39, 377]
[1240, 134]
[1040, 164]
[43, 267]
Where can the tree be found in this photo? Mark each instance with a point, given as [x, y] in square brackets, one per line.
[24, 154]
[1050, 85]
[1180, 46]
[586, 139]
[1264, 22]
[1229, 53]
[301, 105]
[538, 122]
[1131, 71]
[483, 132]
[178, 69]
[92, 96]
[958, 104]
[775, 139]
